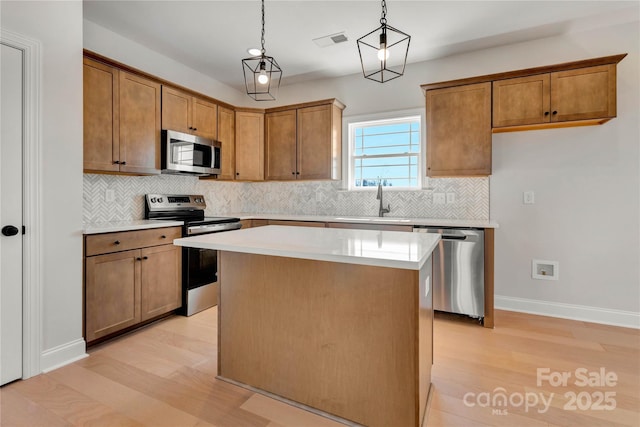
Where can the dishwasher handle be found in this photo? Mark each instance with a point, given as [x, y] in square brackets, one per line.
[452, 237]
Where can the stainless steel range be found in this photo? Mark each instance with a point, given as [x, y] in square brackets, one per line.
[200, 267]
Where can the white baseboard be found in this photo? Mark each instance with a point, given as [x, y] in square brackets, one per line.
[627, 319]
[62, 355]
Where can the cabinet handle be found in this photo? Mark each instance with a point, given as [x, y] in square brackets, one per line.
[145, 257]
[123, 163]
[554, 113]
[138, 259]
[163, 237]
[293, 173]
[546, 113]
[116, 162]
[195, 128]
[117, 242]
[237, 173]
[190, 128]
[297, 173]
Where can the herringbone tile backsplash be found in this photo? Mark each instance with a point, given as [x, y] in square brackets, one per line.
[306, 198]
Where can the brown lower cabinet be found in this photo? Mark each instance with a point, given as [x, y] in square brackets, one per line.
[127, 288]
[384, 227]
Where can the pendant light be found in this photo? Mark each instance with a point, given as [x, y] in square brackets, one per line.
[383, 46]
[262, 73]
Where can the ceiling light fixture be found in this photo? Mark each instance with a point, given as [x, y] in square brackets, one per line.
[380, 45]
[262, 73]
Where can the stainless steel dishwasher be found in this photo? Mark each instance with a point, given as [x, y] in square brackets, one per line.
[458, 270]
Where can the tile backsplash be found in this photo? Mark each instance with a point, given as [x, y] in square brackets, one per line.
[306, 198]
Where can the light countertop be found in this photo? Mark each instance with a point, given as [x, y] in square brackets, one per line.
[140, 224]
[365, 247]
[436, 222]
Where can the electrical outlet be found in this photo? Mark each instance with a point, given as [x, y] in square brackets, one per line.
[438, 198]
[109, 195]
[451, 197]
[545, 270]
[318, 197]
[528, 197]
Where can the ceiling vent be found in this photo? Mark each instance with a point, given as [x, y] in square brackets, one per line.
[331, 39]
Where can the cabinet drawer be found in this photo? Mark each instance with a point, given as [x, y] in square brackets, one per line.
[115, 242]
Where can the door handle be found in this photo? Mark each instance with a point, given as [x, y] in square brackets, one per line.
[10, 230]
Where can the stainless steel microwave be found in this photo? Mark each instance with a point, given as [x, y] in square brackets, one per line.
[187, 154]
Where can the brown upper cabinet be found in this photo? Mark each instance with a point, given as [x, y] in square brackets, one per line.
[304, 141]
[462, 114]
[459, 131]
[187, 113]
[121, 121]
[564, 96]
[249, 145]
[227, 138]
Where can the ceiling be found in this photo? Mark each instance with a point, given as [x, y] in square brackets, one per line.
[212, 37]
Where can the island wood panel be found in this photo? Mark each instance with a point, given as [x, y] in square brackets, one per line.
[340, 338]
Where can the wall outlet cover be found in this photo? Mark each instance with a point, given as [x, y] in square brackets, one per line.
[545, 270]
[109, 195]
[439, 198]
[528, 198]
[451, 197]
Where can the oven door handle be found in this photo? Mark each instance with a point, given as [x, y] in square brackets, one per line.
[213, 228]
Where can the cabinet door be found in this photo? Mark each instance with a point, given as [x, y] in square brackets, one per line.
[100, 118]
[585, 93]
[227, 137]
[459, 131]
[112, 292]
[280, 145]
[176, 110]
[316, 155]
[521, 101]
[161, 280]
[139, 125]
[204, 118]
[249, 146]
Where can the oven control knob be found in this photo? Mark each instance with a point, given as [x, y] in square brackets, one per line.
[153, 200]
[159, 199]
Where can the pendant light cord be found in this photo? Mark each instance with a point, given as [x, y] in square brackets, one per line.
[262, 38]
[383, 18]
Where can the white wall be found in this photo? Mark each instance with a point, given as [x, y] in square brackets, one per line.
[58, 26]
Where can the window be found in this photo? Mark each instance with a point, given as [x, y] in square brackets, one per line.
[385, 150]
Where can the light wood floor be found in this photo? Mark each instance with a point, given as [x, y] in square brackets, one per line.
[164, 376]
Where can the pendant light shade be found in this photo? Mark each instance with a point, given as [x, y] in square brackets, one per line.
[383, 51]
[262, 73]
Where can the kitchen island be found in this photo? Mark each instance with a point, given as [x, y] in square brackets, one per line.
[336, 321]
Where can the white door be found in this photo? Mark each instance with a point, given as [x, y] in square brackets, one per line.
[11, 134]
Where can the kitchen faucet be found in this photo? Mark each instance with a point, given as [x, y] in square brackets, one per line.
[382, 210]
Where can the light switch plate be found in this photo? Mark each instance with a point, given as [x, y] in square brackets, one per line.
[528, 197]
[438, 198]
[109, 195]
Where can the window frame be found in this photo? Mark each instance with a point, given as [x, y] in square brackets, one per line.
[348, 163]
